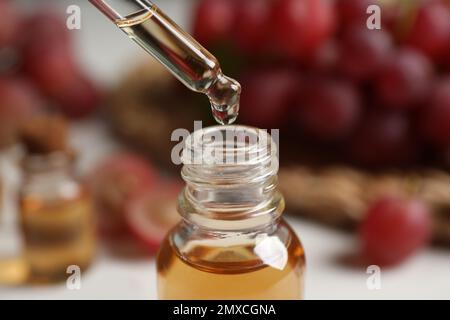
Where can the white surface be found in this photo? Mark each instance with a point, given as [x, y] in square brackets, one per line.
[107, 53]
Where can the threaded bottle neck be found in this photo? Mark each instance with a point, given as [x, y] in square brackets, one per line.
[231, 177]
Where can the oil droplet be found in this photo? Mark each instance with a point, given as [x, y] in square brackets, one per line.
[224, 96]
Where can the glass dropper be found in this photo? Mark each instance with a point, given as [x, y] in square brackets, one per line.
[181, 54]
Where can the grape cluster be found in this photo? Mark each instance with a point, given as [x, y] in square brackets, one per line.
[38, 70]
[381, 97]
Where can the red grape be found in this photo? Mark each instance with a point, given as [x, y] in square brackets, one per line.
[404, 80]
[324, 59]
[45, 28]
[328, 109]
[56, 74]
[9, 23]
[252, 25]
[353, 12]
[436, 117]
[363, 52]
[302, 26]
[430, 31]
[266, 95]
[383, 138]
[52, 68]
[47, 55]
[394, 229]
[18, 101]
[113, 183]
[213, 22]
[152, 213]
[80, 98]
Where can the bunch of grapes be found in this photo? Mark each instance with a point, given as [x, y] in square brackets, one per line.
[38, 70]
[380, 96]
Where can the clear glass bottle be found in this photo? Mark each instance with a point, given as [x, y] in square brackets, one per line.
[55, 217]
[232, 242]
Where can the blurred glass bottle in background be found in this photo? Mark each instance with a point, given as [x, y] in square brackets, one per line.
[55, 209]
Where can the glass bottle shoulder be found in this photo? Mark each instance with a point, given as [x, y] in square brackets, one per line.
[276, 247]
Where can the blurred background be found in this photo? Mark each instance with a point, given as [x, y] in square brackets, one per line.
[364, 118]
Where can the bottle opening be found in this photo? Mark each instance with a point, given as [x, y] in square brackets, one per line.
[229, 146]
[231, 176]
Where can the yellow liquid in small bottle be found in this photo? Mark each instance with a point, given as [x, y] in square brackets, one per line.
[227, 273]
[56, 235]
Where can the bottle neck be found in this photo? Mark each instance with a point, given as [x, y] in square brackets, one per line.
[235, 195]
[50, 177]
[47, 167]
